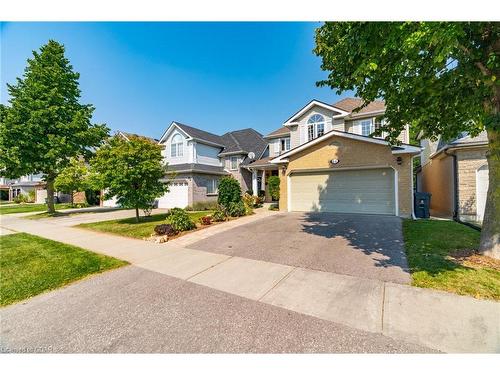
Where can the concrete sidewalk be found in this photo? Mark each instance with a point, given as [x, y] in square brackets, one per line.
[435, 319]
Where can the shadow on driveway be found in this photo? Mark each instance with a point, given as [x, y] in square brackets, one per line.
[369, 246]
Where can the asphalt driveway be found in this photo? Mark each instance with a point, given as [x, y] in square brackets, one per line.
[369, 246]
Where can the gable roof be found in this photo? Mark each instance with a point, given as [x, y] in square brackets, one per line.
[200, 135]
[463, 140]
[400, 149]
[350, 104]
[282, 131]
[308, 106]
[241, 141]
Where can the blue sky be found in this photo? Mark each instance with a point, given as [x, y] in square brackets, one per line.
[215, 76]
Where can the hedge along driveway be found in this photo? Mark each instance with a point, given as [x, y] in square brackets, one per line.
[130, 228]
[30, 265]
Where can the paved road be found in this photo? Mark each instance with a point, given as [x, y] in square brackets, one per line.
[369, 246]
[136, 310]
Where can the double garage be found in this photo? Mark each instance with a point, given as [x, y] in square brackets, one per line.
[368, 191]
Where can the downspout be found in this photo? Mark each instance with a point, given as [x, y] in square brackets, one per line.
[412, 190]
[455, 185]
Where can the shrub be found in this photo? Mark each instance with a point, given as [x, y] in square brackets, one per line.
[274, 207]
[165, 229]
[180, 220]
[21, 198]
[219, 214]
[274, 187]
[250, 202]
[236, 209]
[229, 191]
[203, 206]
[31, 196]
[206, 220]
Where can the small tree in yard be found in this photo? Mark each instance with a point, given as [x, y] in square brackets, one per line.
[75, 177]
[442, 78]
[274, 187]
[130, 171]
[45, 125]
[229, 191]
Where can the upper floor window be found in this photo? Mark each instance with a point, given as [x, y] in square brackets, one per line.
[176, 146]
[284, 144]
[234, 163]
[315, 126]
[367, 127]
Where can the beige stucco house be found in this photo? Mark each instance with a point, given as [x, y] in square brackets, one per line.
[456, 174]
[328, 161]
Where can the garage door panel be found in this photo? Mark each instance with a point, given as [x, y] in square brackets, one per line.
[177, 196]
[357, 191]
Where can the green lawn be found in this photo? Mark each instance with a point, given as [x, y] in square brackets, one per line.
[428, 246]
[129, 228]
[30, 265]
[30, 207]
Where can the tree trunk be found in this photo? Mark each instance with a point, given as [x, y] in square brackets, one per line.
[490, 233]
[136, 214]
[72, 198]
[50, 195]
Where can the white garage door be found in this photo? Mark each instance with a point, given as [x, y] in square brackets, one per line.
[177, 196]
[357, 191]
[482, 182]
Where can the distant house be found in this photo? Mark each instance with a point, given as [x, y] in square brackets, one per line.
[456, 174]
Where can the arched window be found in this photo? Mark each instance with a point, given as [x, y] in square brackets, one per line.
[315, 126]
[176, 146]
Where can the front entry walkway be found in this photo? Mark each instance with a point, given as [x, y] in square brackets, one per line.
[438, 320]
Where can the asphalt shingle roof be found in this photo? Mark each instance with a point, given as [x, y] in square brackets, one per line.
[350, 104]
[201, 134]
[279, 132]
[196, 168]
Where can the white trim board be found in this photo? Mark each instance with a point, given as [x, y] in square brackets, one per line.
[311, 104]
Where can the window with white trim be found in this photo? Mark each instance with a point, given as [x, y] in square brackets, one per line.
[315, 127]
[234, 163]
[176, 146]
[212, 186]
[284, 144]
[366, 127]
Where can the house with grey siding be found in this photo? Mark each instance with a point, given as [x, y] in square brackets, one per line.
[197, 159]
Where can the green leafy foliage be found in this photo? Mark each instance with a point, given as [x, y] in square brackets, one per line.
[229, 191]
[74, 177]
[44, 124]
[180, 220]
[219, 214]
[202, 206]
[273, 183]
[436, 76]
[236, 209]
[130, 170]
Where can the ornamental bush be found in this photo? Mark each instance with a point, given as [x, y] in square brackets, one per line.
[165, 229]
[219, 214]
[206, 220]
[236, 209]
[229, 191]
[274, 187]
[180, 220]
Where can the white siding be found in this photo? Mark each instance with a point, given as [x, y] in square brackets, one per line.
[207, 154]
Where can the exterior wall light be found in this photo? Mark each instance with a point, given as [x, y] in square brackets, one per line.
[399, 160]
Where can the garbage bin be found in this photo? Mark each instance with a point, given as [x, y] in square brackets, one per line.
[422, 204]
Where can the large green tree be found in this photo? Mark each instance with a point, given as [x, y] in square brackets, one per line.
[439, 77]
[45, 125]
[130, 170]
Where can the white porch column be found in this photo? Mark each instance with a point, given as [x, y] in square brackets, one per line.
[263, 183]
[254, 183]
